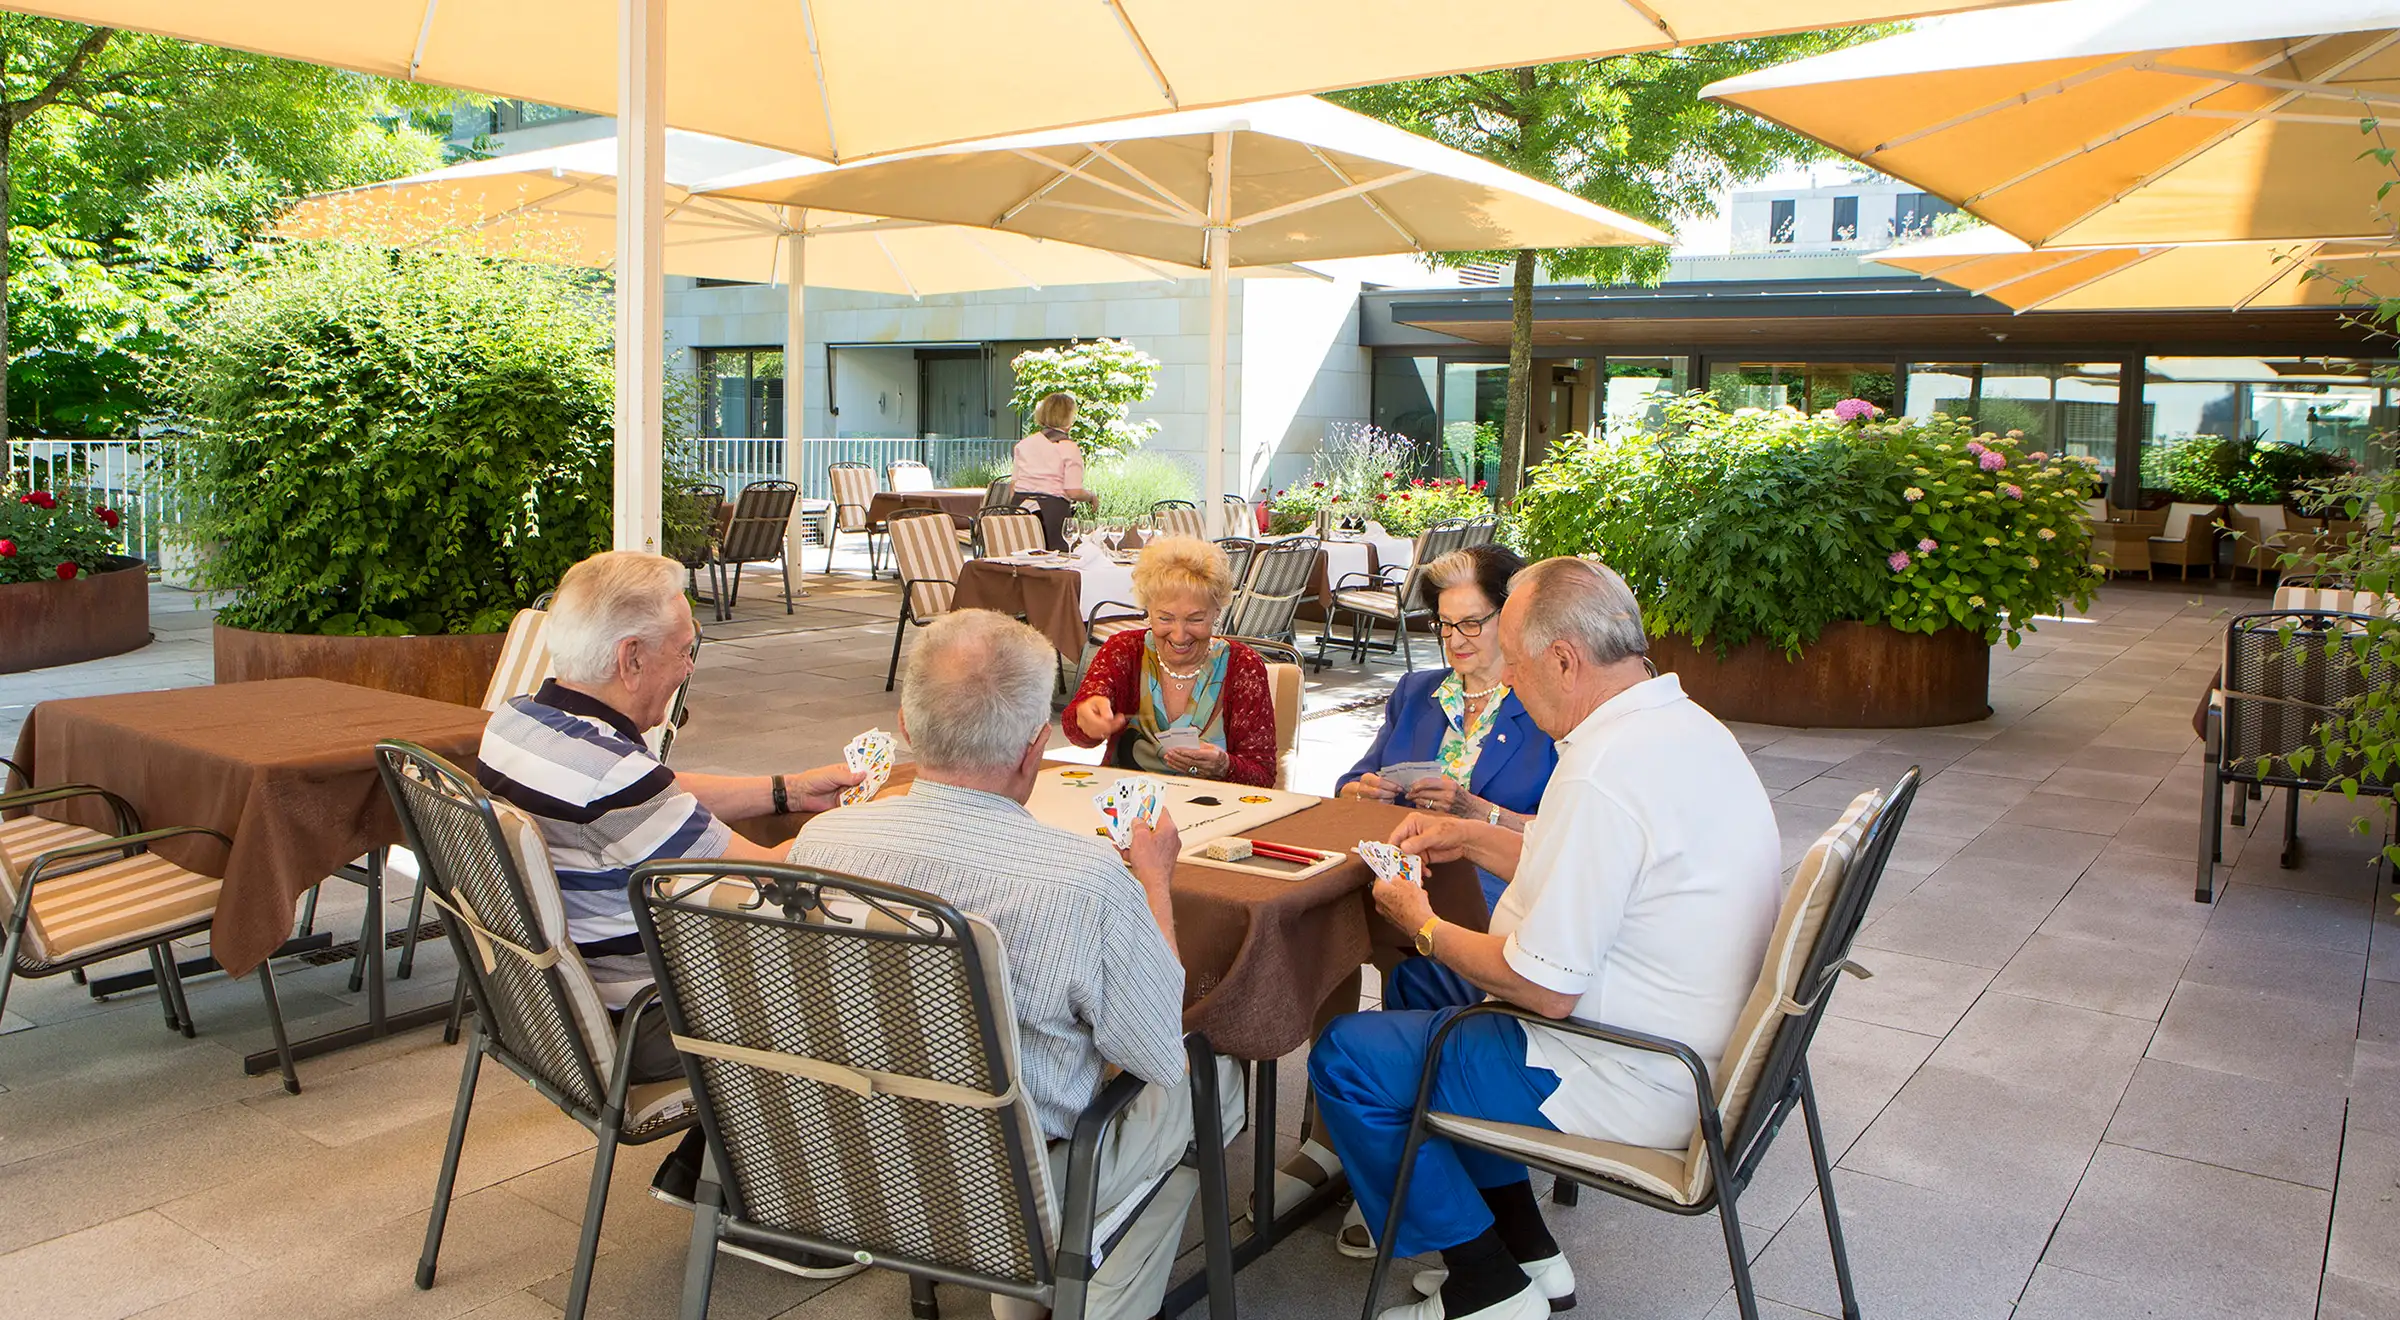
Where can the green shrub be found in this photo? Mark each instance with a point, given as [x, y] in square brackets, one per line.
[1127, 486]
[393, 442]
[1753, 524]
[2207, 470]
[1106, 376]
[1420, 504]
[976, 474]
[53, 536]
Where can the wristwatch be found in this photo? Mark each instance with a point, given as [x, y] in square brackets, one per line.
[1425, 936]
[783, 801]
[1492, 817]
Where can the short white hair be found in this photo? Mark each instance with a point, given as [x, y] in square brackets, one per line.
[1582, 601]
[977, 688]
[607, 598]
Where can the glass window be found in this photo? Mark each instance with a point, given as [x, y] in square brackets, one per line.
[1782, 219]
[1845, 219]
[1474, 402]
[1809, 386]
[2061, 407]
[2332, 406]
[1913, 214]
[741, 392]
[1405, 389]
[1638, 390]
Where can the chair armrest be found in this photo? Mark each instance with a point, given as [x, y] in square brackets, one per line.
[1363, 579]
[1093, 615]
[1711, 1122]
[128, 820]
[127, 846]
[908, 591]
[620, 1078]
[10, 769]
[1080, 1211]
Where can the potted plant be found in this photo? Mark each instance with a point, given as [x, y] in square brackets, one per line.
[68, 592]
[1844, 568]
[388, 455]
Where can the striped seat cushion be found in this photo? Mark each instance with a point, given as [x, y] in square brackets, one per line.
[28, 837]
[111, 905]
[929, 559]
[1103, 629]
[1383, 603]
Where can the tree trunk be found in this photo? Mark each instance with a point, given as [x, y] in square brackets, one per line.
[1516, 425]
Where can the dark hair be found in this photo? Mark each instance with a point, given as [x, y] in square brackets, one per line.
[1488, 566]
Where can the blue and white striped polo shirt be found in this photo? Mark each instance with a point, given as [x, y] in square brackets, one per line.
[604, 803]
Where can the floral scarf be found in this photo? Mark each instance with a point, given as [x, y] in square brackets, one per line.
[1205, 715]
[1462, 740]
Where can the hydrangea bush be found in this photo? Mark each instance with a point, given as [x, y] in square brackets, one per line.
[1742, 524]
[46, 537]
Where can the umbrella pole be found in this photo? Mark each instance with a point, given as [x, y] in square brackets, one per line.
[1220, 251]
[795, 373]
[641, 330]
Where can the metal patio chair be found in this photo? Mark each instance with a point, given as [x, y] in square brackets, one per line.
[1178, 518]
[698, 550]
[853, 1054]
[1392, 595]
[999, 491]
[1240, 519]
[1240, 553]
[1278, 581]
[2285, 673]
[853, 495]
[909, 475]
[537, 1010]
[762, 519]
[1745, 1105]
[1286, 682]
[927, 558]
[1005, 530]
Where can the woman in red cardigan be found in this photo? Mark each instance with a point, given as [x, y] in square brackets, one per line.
[1173, 697]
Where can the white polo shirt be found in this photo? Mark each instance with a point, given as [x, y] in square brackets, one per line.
[1648, 885]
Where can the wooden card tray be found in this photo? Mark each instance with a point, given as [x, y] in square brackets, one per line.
[1274, 868]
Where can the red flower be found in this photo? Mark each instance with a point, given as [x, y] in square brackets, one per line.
[1384, 498]
[1280, 494]
[66, 572]
[1317, 485]
[1479, 485]
[1404, 495]
[8, 549]
[40, 499]
[1387, 476]
[109, 516]
[1418, 482]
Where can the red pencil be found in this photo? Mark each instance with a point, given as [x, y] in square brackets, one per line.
[1284, 852]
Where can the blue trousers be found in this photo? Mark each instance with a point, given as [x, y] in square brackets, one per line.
[1365, 1069]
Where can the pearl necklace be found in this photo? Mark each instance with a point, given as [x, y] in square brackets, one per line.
[1478, 696]
[1180, 678]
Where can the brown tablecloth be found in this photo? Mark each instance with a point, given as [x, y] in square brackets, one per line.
[1051, 599]
[1261, 954]
[960, 501]
[285, 768]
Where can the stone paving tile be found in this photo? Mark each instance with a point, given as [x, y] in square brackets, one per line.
[2243, 1123]
[2196, 1234]
[2258, 1035]
[1913, 1252]
[2062, 1294]
[2102, 975]
[2366, 1212]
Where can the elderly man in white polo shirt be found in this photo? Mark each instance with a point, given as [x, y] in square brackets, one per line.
[1642, 896]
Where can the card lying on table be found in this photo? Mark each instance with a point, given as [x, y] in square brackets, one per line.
[1389, 863]
[869, 754]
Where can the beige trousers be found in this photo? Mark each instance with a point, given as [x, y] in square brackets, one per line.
[1149, 1139]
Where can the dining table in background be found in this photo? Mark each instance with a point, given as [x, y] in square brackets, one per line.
[1053, 593]
[285, 768]
[960, 502]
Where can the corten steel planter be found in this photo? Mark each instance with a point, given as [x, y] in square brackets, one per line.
[1854, 676]
[455, 669]
[59, 623]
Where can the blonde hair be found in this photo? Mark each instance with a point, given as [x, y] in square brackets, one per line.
[1183, 563]
[1055, 410]
[607, 598]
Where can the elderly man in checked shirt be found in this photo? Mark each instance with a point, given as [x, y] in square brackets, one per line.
[1090, 935]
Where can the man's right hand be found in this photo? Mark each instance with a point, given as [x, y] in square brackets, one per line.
[1098, 719]
[1434, 838]
[1152, 853]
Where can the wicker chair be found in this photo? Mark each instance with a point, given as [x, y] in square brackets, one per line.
[1386, 598]
[1005, 530]
[2285, 672]
[2189, 539]
[853, 494]
[762, 519]
[1178, 518]
[926, 557]
[2262, 532]
[73, 896]
[853, 1052]
[1278, 580]
[909, 476]
[537, 1010]
[1765, 1072]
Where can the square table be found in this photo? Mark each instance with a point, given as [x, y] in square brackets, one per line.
[1052, 597]
[285, 768]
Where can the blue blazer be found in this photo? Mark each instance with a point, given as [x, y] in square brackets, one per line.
[1512, 770]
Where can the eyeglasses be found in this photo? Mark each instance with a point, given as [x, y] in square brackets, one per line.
[692, 652]
[1466, 627]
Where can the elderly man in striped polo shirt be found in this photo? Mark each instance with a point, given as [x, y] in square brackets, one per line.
[622, 640]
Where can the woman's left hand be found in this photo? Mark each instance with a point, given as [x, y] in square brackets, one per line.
[1208, 760]
[1444, 794]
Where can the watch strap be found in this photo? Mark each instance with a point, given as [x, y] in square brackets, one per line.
[783, 800]
[1425, 936]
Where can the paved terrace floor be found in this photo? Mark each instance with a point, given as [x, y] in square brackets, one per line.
[2068, 1091]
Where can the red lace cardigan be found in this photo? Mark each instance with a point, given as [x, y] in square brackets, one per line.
[1248, 701]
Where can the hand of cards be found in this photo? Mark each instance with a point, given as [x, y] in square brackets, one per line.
[869, 754]
[1133, 798]
[1405, 774]
[1389, 863]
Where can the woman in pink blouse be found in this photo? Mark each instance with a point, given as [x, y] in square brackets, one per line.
[1049, 467]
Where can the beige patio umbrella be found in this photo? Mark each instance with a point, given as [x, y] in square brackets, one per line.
[2165, 277]
[1233, 188]
[2093, 123]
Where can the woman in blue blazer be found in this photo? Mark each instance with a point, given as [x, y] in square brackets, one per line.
[1476, 751]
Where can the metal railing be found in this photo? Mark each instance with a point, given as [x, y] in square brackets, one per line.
[117, 473]
[731, 461]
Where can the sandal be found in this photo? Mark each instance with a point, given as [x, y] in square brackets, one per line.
[1355, 1240]
[1309, 1168]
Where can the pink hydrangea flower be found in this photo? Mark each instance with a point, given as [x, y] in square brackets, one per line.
[2039, 456]
[1977, 448]
[1928, 545]
[1993, 460]
[2014, 492]
[1855, 410]
[1898, 561]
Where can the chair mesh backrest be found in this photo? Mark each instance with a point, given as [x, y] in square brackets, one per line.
[1432, 543]
[853, 490]
[1178, 518]
[2287, 672]
[1265, 607]
[1239, 520]
[690, 544]
[1007, 531]
[998, 492]
[1239, 551]
[906, 990]
[910, 475]
[524, 659]
[1479, 531]
[487, 858]
[925, 543]
[761, 517]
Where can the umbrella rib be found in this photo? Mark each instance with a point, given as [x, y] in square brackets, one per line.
[1065, 172]
[2281, 269]
[1079, 171]
[1372, 205]
[2162, 113]
[905, 281]
[1655, 21]
[2356, 58]
[1117, 211]
[424, 30]
[1165, 193]
[816, 60]
[2282, 84]
[2066, 84]
[1323, 199]
[1142, 48]
[2082, 284]
[2272, 117]
[968, 233]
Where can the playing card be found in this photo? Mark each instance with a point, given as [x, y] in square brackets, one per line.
[870, 754]
[1389, 863]
[1405, 774]
[1180, 736]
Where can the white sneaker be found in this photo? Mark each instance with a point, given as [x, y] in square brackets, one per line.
[1355, 1239]
[1552, 1278]
[1526, 1305]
